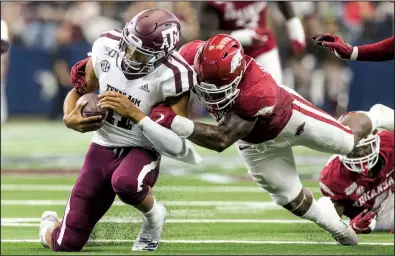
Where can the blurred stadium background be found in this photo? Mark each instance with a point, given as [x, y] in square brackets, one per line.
[40, 157]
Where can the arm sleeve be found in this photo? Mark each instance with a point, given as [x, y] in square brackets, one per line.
[380, 51]
[168, 143]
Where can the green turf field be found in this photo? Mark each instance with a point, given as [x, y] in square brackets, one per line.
[213, 208]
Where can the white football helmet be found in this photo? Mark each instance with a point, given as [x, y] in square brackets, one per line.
[364, 156]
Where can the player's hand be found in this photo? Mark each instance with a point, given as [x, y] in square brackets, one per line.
[296, 34]
[341, 49]
[121, 105]
[77, 75]
[364, 223]
[163, 114]
[74, 120]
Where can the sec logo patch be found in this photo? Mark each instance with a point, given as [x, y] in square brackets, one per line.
[105, 65]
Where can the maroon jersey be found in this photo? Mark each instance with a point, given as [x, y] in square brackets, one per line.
[245, 15]
[357, 192]
[261, 97]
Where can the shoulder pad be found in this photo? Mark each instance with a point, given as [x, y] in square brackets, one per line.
[179, 78]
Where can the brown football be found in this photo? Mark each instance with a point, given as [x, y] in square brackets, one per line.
[91, 108]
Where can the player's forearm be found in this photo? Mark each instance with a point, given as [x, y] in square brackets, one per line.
[168, 142]
[210, 137]
[70, 101]
[213, 137]
[380, 51]
[286, 9]
[163, 138]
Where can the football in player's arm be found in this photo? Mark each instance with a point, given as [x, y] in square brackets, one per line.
[124, 63]
[380, 51]
[170, 144]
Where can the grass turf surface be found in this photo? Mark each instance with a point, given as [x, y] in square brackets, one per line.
[215, 203]
[121, 224]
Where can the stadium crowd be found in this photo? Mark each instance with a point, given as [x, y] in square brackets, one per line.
[51, 25]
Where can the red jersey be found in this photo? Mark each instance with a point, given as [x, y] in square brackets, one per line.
[357, 192]
[261, 97]
[245, 15]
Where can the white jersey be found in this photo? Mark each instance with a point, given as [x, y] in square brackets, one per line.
[171, 78]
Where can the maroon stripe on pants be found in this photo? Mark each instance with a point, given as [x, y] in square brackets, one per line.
[320, 118]
[177, 75]
[190, 72]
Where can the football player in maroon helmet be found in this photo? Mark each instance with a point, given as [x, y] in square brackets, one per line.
[265, 121]
[136, 67]
[361, 184]
[380, 51]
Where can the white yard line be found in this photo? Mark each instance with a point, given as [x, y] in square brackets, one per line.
[16, 221]
[192, 189]
[203, 242]
[255, 204]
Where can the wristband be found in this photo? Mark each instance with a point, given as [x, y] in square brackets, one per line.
[354, 54]
[182, 126]
[295, 29]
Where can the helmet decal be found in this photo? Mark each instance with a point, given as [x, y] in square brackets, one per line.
[236, 61]
[171, 37]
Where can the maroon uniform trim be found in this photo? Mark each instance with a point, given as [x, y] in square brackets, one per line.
[111, 36]
[177, 75]
[190, 72]
[320, 118]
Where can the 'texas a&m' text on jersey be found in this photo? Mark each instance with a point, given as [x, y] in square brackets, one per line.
[173, 77]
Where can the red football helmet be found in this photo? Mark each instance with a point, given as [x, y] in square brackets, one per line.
[188, 51]
[147, 40]
[220, 65]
